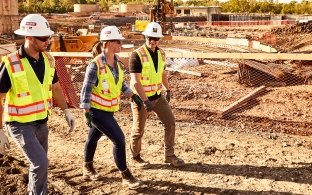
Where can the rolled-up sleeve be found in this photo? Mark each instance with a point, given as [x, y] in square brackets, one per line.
[125, 88]
[88, 83]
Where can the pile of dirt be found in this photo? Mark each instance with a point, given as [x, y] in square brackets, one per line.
[291, 38]
[299, 28]
[13, 174]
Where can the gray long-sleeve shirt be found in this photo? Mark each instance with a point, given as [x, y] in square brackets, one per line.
[91, 79]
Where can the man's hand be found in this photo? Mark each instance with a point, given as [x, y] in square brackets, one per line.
[88, 119]
[136, 99]
[168, 95]
[4, 142]
[70, 120]
[148, 105]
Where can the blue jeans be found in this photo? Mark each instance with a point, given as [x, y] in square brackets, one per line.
[105, 123]
[32, 139]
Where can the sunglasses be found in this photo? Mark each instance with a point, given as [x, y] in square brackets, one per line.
[116, 41]
[153, 38]
[43, 39]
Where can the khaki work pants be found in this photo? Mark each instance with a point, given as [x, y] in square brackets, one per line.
[164, 113]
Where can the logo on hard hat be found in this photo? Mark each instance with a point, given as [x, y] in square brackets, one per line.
[155, 30]
[31, 24]
[107, 32]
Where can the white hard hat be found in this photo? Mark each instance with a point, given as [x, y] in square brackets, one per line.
[153, 29]
[34, 25]
[111, 33]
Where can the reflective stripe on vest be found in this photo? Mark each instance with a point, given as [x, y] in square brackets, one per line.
[28, 99]
[104, 102]
[28, 109]
[106, 94]
[150, 79]
[150, 88]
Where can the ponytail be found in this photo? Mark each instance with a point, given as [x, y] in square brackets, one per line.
[97, 49]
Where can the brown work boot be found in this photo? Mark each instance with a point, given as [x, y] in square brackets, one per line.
[174, 161]
[88, 172]
[137, 161]
[129, 180]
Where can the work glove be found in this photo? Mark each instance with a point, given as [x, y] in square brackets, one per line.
[88, 119]
[136, 99]
[4, 142]
[148, 105]
[70, 120]
[168, 95]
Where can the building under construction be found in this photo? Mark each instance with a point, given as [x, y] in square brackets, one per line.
[9, 18]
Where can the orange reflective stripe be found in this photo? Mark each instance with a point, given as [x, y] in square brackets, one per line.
[143, 54]
[104, 102]
[163, 54]
[150, 88]
[103, 69]
[23, 94]
[50, 58]
[26, 110]
[15, 62]
[105, 91]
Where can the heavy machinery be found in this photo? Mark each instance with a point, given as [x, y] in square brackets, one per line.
[160, 11]
[157, 13]
[68, 40]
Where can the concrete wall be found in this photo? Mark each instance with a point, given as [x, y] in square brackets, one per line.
[9, 19]
[86, 8]
[198, 11]
[131, 7]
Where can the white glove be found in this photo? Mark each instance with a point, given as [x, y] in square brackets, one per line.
[70, 120]
[4, 142]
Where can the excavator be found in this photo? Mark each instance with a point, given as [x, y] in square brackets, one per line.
[157, 13]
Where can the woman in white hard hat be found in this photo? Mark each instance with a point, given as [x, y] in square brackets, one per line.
[28, 82]
[148, 77]
[100, 98]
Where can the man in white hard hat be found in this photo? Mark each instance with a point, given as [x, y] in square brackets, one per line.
[28, 82]
[148, 78]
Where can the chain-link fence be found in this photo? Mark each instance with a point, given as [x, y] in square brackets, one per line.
[271, 95]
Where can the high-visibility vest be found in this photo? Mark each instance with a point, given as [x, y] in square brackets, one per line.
[28, 100]
[106, 95]
[150, 79]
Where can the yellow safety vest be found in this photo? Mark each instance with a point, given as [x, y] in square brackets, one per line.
[28, 100]
[150, 79]
[106, 95]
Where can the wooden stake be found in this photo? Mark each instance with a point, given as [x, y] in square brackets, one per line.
[237, 104]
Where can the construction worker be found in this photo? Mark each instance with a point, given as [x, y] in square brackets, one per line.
[148, 76]
[28, 82]
[100, 98]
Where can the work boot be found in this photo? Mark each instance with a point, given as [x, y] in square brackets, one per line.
[88, 172]
[129, 180]
[174, 161]
[137, 161]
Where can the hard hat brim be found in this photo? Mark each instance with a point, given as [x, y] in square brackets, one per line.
[34, 34]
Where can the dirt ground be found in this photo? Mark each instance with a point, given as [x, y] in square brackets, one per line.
[255, 151]
[264, 148]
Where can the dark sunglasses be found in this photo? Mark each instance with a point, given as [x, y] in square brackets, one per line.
[153, 38]
[116, 41]
[43, 39]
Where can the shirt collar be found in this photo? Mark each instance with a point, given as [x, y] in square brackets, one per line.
[104, 58]
[22, 53]
[149, 49]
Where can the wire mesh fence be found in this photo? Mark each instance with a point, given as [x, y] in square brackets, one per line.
[263, 95]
